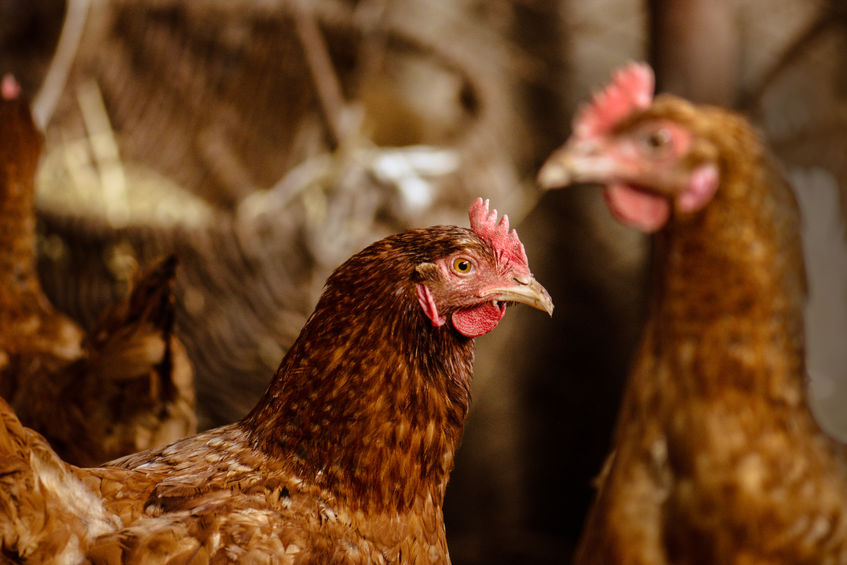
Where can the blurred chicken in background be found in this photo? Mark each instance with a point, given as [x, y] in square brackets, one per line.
[717, 456]
[128, 384]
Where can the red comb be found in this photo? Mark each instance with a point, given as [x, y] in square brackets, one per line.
[507, 246]
[9, 89]
[631, 88]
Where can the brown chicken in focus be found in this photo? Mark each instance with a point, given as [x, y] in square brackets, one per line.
[346, 457]
[125, 387]
[717, 456]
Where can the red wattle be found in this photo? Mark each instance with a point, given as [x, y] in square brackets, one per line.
[473, 322]
[427, 302]
[642, 210]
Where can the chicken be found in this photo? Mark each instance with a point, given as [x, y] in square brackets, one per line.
[125, 387]
[346, 457]
[717, 458]
[132, 388]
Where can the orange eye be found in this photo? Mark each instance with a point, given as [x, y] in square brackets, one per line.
[462, 266]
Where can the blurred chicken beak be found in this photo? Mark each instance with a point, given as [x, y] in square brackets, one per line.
[526, 290]
[555, 172]
[579, 160]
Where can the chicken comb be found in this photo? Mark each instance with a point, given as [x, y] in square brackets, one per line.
[507, 246]
[631, 89]
[9, 87]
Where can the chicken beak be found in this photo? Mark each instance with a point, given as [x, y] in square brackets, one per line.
[526, 290]
[579, 160]
[555, 172]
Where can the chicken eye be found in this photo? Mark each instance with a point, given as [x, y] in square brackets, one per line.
[657, 139]
[462, 266]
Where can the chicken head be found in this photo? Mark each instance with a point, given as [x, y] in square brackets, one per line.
[471, 286]
[646, 153]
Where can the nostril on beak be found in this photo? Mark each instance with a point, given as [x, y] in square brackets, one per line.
[523, 279]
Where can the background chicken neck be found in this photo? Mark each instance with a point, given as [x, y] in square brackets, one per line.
[20, 149]
[729, 286]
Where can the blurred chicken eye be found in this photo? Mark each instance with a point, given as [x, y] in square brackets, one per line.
[657, 138]
[462, 266]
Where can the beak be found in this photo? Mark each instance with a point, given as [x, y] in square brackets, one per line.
[578, 161]
[526, 290]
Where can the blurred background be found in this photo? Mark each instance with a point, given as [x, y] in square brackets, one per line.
[265, 141]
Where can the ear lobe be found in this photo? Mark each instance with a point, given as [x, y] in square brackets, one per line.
[427, 302]
[701, 188]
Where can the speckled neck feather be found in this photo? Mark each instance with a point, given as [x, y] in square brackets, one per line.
[370, 400]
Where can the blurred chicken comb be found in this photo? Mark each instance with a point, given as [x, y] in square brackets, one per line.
[631, 88]
[506, 244]
[9, 87]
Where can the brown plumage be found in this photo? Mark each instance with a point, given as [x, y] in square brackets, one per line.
[129, 384]
[346, 457]
[717, 456]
